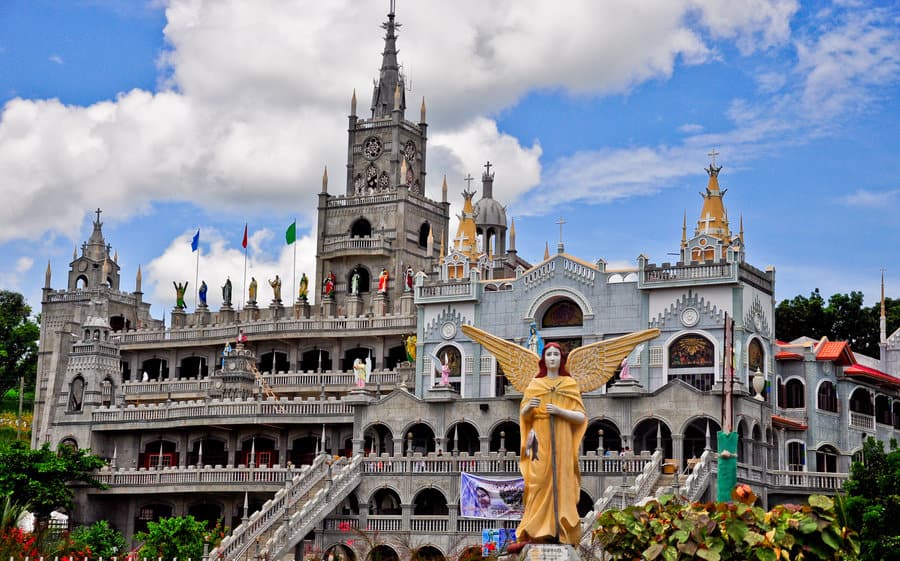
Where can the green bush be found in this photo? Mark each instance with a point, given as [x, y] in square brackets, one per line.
[101, 539]
[671, 530]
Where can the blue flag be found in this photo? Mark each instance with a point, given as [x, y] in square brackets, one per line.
[195, 243]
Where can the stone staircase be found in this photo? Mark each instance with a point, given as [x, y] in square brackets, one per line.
[285, 536]
[260, 525]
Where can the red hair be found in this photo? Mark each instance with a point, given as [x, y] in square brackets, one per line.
[562, 361]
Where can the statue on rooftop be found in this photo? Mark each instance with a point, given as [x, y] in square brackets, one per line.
[276, 288]
[180, 289]
[226, 292]
[304, 287]
[202, 293]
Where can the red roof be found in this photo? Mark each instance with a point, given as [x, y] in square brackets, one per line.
[837, 351]
[872, 374]
[784, 355]
[788, 423]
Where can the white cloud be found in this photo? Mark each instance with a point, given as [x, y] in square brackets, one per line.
[218, 260]
[256, 93]
[56, 58]
[870, 199]
[691, 128]
[24, 264]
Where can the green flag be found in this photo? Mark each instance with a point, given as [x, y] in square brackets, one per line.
[291, 235]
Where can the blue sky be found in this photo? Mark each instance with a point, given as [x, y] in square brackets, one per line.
[177, 115]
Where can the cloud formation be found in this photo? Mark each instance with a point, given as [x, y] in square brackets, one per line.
[252, 97]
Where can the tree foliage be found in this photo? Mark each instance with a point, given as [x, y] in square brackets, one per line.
[18, 341]
[873, 501]
[844, 317]
[41, 477]
[179, 537]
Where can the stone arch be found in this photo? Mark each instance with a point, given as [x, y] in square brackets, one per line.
[193, 367]
[612, 435]
[215, 451]
[757, 357]
[81, 283]
[314, 359]
[827, 458]
[304, 448]
[430, 501]
[378, 438]
[615, 278]
[422, 437]
[361, 228]
[69, 441]
[883, 409]
[540, 304]
[385, 500]
[274, 360]
[463, 436]
[428, 552]
[861, 401]
[156, 368]
[455, 358]
[643, 436]
[694, 436]
[77, 389]
[564, 312]
[339, 552]
[261, 450]
[358, 352]
[207, 511]
[510, 441]
[795, 454]
[585, 504]
[630, 277]
[382, 552]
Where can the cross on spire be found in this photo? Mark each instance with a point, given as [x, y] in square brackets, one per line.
[712, 154]
[98, 214]
[707, 219]
[560, 222]
[468, 179]
[487, 167]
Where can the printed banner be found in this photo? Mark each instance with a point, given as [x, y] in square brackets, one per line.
[481, 497]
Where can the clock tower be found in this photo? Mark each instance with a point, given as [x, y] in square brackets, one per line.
[383, 219]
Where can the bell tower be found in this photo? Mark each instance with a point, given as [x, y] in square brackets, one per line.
[383, 218]
[95, 266]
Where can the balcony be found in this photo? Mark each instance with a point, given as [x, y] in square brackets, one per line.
[443, 291]
[337, 246]
[208, 479]
[862, 421]
[651, 275]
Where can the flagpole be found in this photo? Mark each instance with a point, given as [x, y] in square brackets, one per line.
[197, 276]
[294, 275]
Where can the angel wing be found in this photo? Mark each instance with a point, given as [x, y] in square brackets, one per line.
[519, 364]
[593, 365]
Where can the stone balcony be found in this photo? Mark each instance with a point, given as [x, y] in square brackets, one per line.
[375, 245]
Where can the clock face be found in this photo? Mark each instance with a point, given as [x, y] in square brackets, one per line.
[372, 147]
[448, 330]
[690, 317]
[409, 150]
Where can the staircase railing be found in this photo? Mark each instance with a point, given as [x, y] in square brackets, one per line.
[697, 482]
[241, 538]
[295, 528]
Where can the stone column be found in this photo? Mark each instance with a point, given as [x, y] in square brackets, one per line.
[407, 510]
[398, 445]
[407, 304]
[678, 450]
[328, 306]
[380, 304]
[484, 444]
[178, 318]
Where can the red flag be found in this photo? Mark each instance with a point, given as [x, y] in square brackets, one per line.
[244, 243]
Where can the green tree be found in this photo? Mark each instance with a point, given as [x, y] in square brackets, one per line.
[18, 341]
[873, 501]
[178, 536]
[101, 539]
[42, 477]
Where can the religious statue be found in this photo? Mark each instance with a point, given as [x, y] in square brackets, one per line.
[276, 288]
[180, 289]
[354, 282]
[553, 421]
[410, 344]
[359, 370]
[535, 341]
[252, 291]
[383, 281]
[202, 293]
[304, 287]
[408, 285]
[445, 371]
[226, 292]
[328, 284]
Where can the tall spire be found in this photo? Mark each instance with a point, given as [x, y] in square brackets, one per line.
[389, 79]
[512, 235]
[684, 230]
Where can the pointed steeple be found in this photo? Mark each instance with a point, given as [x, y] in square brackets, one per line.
[512, 235]
[429, 243]
[882, 321]
[47, 277]
[422, 111]
[741, 234]
[444, 189]
[546, 250]
[137, 280]
[389, 80]
[325, 180]
[353, 104]
[96, 245]
[684, 230]
[116, 257]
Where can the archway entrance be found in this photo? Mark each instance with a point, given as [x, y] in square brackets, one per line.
[645, 437]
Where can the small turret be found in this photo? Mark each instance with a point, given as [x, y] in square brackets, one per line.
[429, 244]
[397, 98]
[512, 236]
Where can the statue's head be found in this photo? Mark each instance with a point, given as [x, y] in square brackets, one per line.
[553, 357]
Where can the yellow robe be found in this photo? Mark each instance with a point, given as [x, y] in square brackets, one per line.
[539, 519]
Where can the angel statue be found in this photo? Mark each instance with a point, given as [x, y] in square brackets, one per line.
[552, 416]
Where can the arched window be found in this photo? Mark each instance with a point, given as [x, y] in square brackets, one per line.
[861, 402]
[826, 459]
[81, 283]
[454, 359]
[883, 410]
[424, 229]
[363, 284]
[361, 228]
[794, 394]
[76, 394]
[691, 351]
[827, 397]
[755, 357]
[564, 313]
[796, 456]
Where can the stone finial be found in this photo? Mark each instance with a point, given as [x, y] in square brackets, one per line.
[429, 246]
[137, 280]
[403, 170]
[325, 180]
[47, 275]
[353, 104]
[444, 189]
[512, 235]
[397, 98]
[74, 253]
[422, 111]
[546, 250]
[116, 257]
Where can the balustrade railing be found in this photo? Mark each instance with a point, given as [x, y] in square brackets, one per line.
[191, 475]
[687, 272]
[862, 421]
[226, 408]
[812, 480]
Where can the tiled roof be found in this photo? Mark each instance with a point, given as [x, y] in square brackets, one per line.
[872, 374]
[837, 351]
[789, 423]
[784, 355]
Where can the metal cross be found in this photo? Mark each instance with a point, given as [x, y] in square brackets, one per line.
[713, 155]
[560, 222]
[468, 179]
[487, 166]
[98, 214]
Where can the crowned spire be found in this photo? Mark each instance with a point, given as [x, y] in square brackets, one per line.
[713, 219]
[389, 79]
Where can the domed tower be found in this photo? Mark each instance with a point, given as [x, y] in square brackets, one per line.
[490, 217]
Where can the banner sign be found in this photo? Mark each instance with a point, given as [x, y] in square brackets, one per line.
[482, 497]
[494, 541]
